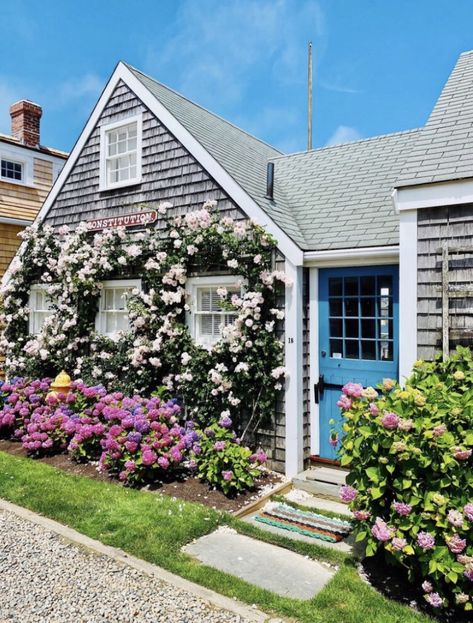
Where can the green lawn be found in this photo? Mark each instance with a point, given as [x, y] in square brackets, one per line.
[154, 527]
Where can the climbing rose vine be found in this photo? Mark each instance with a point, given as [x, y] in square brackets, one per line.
[242, 372]
[410, 486]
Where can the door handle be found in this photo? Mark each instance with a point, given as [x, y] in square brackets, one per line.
[319, 389]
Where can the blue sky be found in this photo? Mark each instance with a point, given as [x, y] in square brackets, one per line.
[379, 64]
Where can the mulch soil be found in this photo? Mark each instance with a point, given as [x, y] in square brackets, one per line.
[184, 487]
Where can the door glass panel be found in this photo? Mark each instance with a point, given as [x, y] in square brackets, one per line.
[351, 328]
[361, 317]
[335, 286]
[336, 348]
[368, 349]
[336, 327]
[351, 307]
[351, 349]
[351, 286]
[368, 328]
[336, 308]
[368, 286]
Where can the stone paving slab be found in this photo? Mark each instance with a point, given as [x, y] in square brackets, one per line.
[270, 567]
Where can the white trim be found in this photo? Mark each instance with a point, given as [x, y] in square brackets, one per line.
[112, 283]
[362, 256]
[437, 194]
[314, 358]
[104, 184]
[192, 284]
[294, 363]
[8, 152]
[5, 220]
[285, 244]
[407, 293]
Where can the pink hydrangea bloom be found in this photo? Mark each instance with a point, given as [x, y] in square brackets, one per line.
[227, 475]
[402, 508]
[468, 510]
[455, 518]
[361, 515]
[353, 389]
[374, 409]
[399, 543]
[427, 586]
[434, 600]
[344, 403]
[425, 540]
[390, 420]
[381, 531]
[347, 493]
[456, 544]
[460, 454]
[439, 430]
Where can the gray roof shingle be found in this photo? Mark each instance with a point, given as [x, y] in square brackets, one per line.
[444, 147]
[341, 195]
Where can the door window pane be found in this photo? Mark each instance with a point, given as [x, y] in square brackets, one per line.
[361, 317]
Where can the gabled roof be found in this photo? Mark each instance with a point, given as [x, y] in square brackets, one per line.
[242, 155]
[443, 150]
[341, 195]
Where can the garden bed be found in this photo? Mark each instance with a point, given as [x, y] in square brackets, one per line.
[185, 488]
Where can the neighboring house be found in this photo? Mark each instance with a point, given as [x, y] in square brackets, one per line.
[27, 173]
[366, 299]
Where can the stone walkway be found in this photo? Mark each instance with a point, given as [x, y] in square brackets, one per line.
[45, 579]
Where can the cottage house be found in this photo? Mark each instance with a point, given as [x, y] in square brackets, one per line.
[374, 234]
[27, 172]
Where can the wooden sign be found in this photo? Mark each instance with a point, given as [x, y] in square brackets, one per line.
[126, 220]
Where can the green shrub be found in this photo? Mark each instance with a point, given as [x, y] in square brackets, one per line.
[411, 481]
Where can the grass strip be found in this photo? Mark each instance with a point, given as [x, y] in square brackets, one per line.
[154, 527]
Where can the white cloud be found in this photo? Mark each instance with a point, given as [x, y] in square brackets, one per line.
[86, 87]
[343, 134]
[220, 46]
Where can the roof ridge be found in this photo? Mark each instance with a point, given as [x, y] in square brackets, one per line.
[203, 108]
[356, 142]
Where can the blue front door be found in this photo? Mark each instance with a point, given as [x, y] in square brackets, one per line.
[358, 337]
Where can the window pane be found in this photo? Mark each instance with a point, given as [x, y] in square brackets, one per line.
[335, 307]
[351, 328]
[206, 325]
[108, 298]
[122, 321]
[335, 286]
[368, 349]
[336, 327]
[351, 286]
[351, 349]
[368, 307]
[368, 328]
[120, 298]
[368, 285]
[386, 350]
[351, 307]
[11, 170]
[336, 348]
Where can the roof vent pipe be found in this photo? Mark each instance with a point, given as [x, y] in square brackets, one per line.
[270, 181]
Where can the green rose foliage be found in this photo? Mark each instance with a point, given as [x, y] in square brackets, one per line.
[410, 484]
[224, 463]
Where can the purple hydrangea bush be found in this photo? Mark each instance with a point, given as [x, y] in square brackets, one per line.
[19, 400]
[144, 439]
[410, 486]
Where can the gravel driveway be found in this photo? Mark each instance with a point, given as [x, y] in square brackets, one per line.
[44, 579]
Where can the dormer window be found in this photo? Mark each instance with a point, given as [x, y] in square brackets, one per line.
[120, 153]
[11, 170]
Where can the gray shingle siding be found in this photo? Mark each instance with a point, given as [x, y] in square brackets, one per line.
[434, 226]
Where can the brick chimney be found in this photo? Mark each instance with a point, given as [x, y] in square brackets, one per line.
[25, 118]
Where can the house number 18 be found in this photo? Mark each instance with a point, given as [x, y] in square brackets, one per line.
[290, 340]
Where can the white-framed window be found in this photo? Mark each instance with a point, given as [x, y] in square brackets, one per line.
[112, 315]
[12, 170]
[206, 317]
[120, 153]
[39, 306]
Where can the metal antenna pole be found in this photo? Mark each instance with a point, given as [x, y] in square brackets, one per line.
[309, 102]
